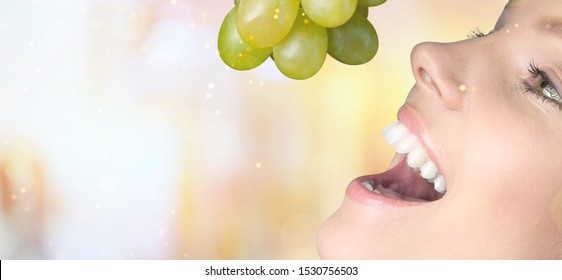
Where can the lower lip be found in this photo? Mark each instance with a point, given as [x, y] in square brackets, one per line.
[358, 193]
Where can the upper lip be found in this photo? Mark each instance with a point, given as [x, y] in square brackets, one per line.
[409, 118]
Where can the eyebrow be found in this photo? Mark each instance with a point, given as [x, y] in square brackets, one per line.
[551, 26]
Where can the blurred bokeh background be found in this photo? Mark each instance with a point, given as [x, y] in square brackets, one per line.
[124, 136]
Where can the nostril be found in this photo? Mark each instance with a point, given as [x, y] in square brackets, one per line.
[426, 78]
[435, 72]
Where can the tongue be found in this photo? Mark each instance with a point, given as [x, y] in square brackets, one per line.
[402, 182]
[389, 192]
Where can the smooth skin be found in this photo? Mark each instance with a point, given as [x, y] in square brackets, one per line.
[499, 144]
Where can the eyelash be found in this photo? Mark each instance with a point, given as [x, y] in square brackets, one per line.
[531, 88]
[475, 33]
[535, 72]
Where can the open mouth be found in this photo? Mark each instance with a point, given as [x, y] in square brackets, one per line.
[415, 177]
[403, 183]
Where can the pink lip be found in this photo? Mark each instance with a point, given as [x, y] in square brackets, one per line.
[358, 193]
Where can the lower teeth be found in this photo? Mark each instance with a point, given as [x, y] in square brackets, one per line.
[368, 185]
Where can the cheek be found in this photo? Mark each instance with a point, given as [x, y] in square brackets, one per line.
[556, 210]
[511, 159]
[513, 166]
[509, 143]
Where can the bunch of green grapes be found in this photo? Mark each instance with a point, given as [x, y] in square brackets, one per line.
[297, 34]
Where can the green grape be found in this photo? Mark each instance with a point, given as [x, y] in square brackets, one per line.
[362, 10]
[264, 23]
[370, 3]
[329, 13]
[303, 52]
[234, 51]
[353, 43]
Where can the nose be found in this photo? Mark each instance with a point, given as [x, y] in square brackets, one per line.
[437, 69]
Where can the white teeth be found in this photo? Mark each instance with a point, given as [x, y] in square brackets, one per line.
[406, 143]
[417, 157]
[394, 133]
[440, 185]
[428, 170]
[390, 126]
[369, 185]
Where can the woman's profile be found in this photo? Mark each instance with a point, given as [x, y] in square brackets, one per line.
[478, 165]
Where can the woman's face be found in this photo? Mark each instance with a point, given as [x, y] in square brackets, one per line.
[486, 112]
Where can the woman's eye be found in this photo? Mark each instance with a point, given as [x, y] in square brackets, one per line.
[542, 87]
[549, 91]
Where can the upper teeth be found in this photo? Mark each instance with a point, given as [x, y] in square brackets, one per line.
[405, 142]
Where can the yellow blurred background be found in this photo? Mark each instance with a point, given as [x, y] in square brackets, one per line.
[124, 136]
